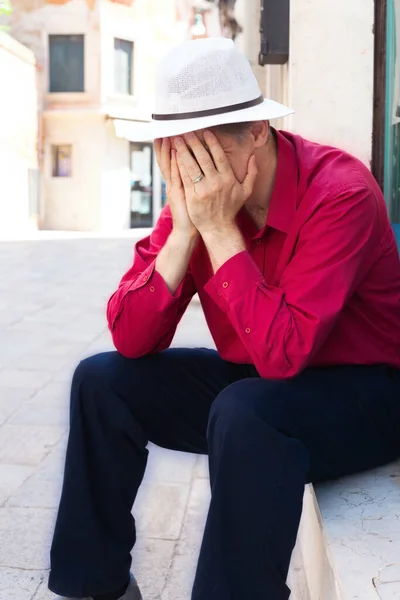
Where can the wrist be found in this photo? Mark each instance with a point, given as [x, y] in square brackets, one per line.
[227, 232]
[222, 244]
[185, 239]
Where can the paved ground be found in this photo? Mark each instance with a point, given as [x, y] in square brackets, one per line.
[52, 298]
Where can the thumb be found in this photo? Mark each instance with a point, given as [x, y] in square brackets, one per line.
[252, 172]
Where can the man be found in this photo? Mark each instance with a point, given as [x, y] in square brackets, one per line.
[289, 246]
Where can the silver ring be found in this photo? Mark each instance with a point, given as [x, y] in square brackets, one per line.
[198, 179]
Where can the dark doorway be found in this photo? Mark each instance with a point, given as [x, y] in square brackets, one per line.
[141, 185]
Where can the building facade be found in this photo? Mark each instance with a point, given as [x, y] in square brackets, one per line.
[97, 61]
[19, 174]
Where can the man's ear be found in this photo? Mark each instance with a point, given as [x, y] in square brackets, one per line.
[260, 133]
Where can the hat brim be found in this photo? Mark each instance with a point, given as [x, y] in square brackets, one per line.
[145, 132]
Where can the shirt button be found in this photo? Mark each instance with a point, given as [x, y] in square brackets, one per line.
[145, 278]
[259, 241]
[152, 289]
[248, 330]
[225, 284]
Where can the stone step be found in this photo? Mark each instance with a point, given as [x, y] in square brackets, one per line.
[349, 539]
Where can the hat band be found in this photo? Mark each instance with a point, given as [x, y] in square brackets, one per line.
[209, 113]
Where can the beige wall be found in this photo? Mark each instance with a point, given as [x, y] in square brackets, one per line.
[272, 79]
[115, 182]
[329, 78]
[74, 203]
[18, 132]
[331, 72]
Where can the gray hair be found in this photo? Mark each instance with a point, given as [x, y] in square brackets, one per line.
[237, 130]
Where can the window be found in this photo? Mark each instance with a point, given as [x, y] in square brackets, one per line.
[66, 54]
[123, 58]
[61, 161]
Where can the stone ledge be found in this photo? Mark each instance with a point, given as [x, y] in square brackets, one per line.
[349, 538]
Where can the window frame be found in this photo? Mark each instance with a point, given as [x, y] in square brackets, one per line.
[67, 93]
[55, 161]
[132, 91]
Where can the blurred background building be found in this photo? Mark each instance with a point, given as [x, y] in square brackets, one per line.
[96, 62]
[71, 164]
[19, 172]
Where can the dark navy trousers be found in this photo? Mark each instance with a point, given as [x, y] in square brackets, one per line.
[265, 440]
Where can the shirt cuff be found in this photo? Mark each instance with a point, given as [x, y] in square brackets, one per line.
[150, 289]
[237, 275]
[151, 282]
[143, 278]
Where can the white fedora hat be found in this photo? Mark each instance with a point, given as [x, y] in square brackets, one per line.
[204, 83]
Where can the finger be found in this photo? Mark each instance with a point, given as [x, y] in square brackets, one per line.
[185, 177]
[176, 179]
[249, 181]
[158, 145]
[157, 150]
[201, 155]
[217, 153]
[165, 161]
[190, 164]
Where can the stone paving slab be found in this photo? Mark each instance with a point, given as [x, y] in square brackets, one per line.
[25, 535]
[41, 410]
[42, 487]
[22, 378]
[53, 296]
[160, 509]
[183, 568]
[25, 444]
[12, 477]
[171, 467]
[11, 399]
[151, 563]
[18, 585]
[43, 592]
[201, 470]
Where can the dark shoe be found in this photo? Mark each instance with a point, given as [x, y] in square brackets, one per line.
[132, 593]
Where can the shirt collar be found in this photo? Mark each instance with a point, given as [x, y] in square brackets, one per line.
[283, 204]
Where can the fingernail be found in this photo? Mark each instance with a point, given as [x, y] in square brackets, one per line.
[179, 141]
[190, 135]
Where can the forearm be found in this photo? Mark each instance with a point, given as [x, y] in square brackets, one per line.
[143, 313]
[223, 244]
[173, 260]
[144, 320]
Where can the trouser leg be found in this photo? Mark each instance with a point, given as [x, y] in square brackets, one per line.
[266, 440]
[117, 406]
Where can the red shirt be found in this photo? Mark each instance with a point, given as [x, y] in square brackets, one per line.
[318, 285]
